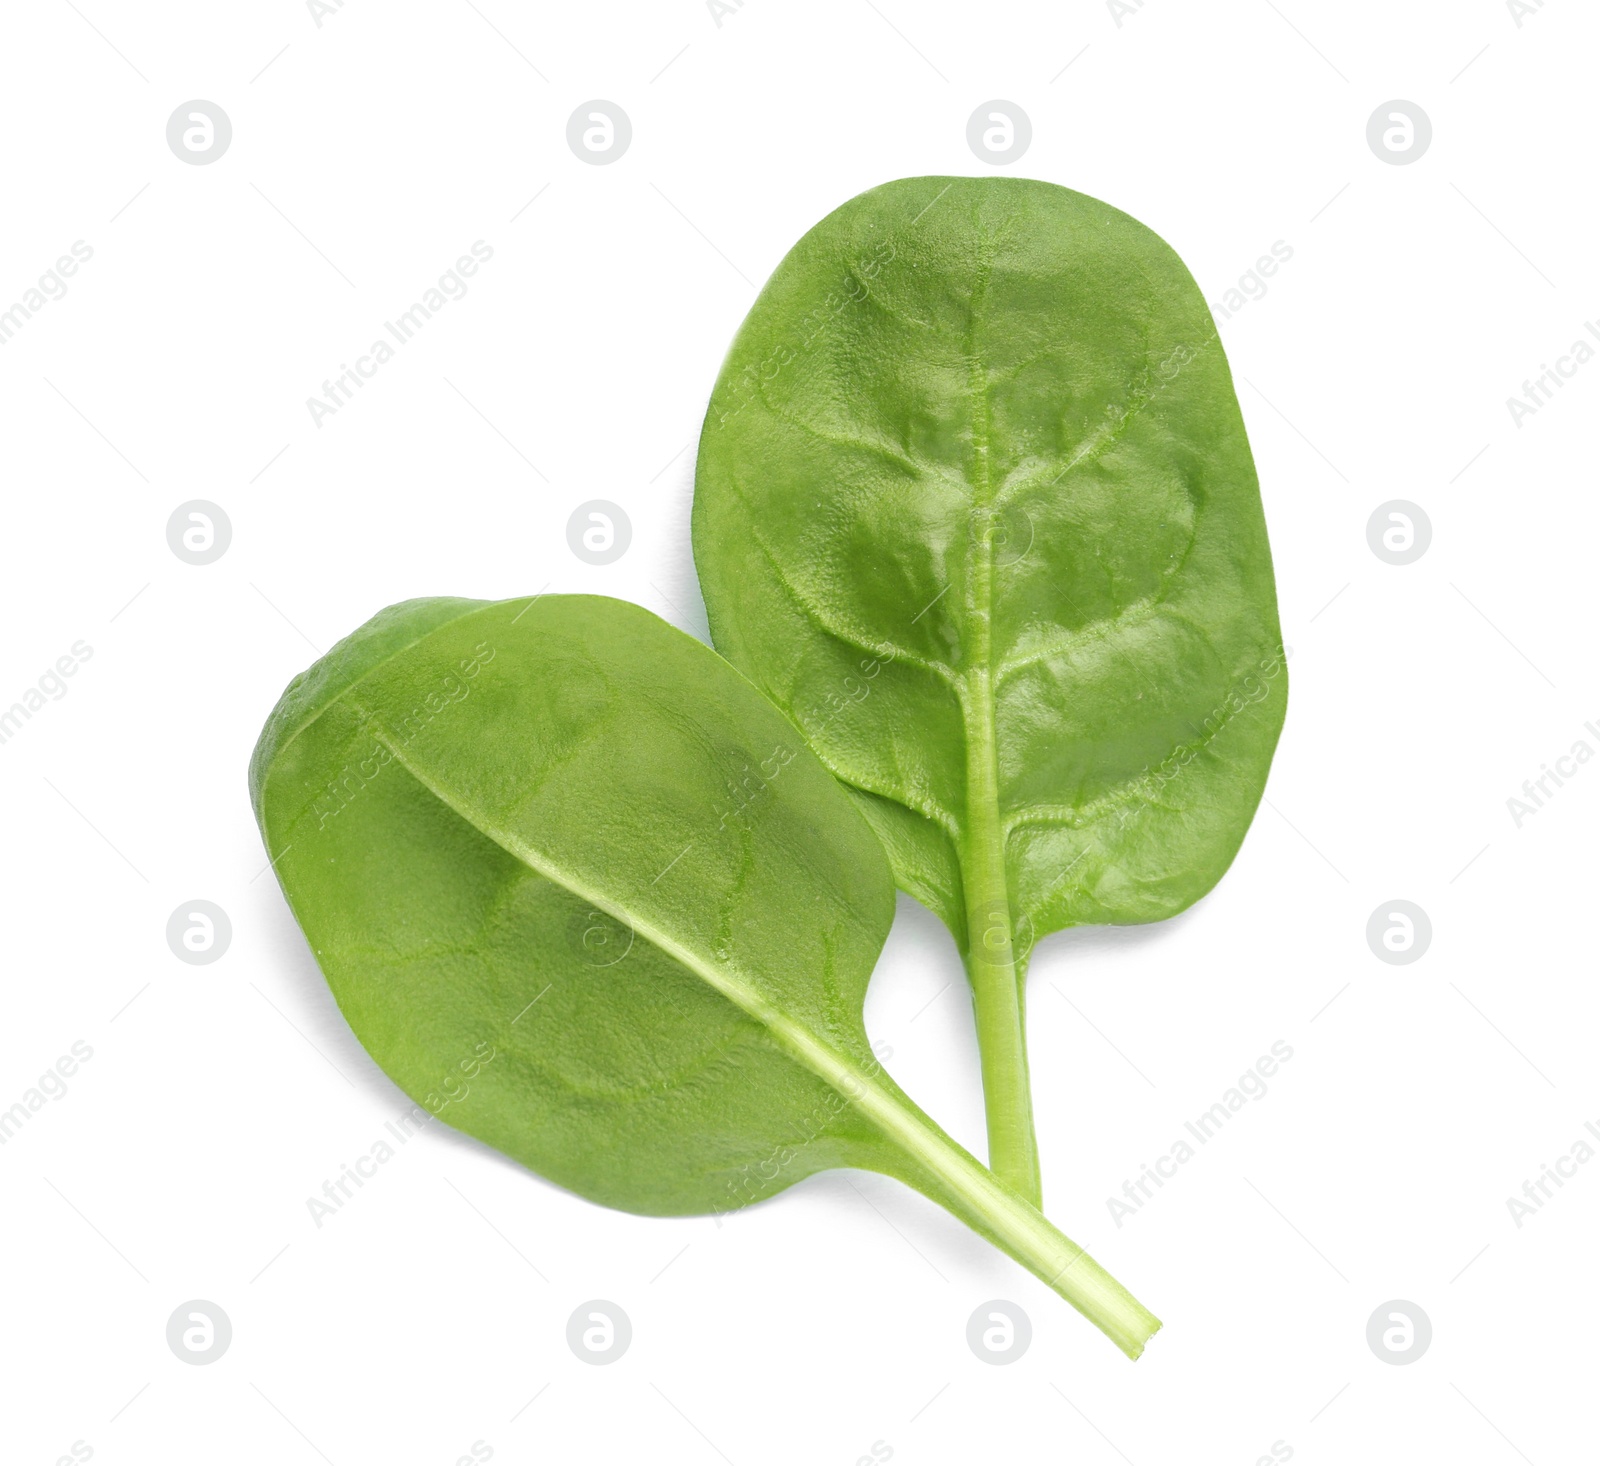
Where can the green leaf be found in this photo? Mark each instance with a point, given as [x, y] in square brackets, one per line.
[584, 894]
[976, 509]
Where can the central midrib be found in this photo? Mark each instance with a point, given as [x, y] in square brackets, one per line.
[982, 826]
[990, 945]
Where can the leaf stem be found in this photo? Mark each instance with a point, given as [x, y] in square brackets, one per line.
[989, 1208]
[924, 1157]
[947, 1174]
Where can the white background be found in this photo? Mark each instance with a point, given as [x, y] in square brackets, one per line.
[431, 1310]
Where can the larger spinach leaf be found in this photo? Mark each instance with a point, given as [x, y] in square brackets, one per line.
[585, 894]
[975, 507]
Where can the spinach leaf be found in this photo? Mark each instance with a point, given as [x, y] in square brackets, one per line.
[974, 506]
[584, 894]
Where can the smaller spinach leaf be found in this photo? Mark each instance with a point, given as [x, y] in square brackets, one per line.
[584, 893]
